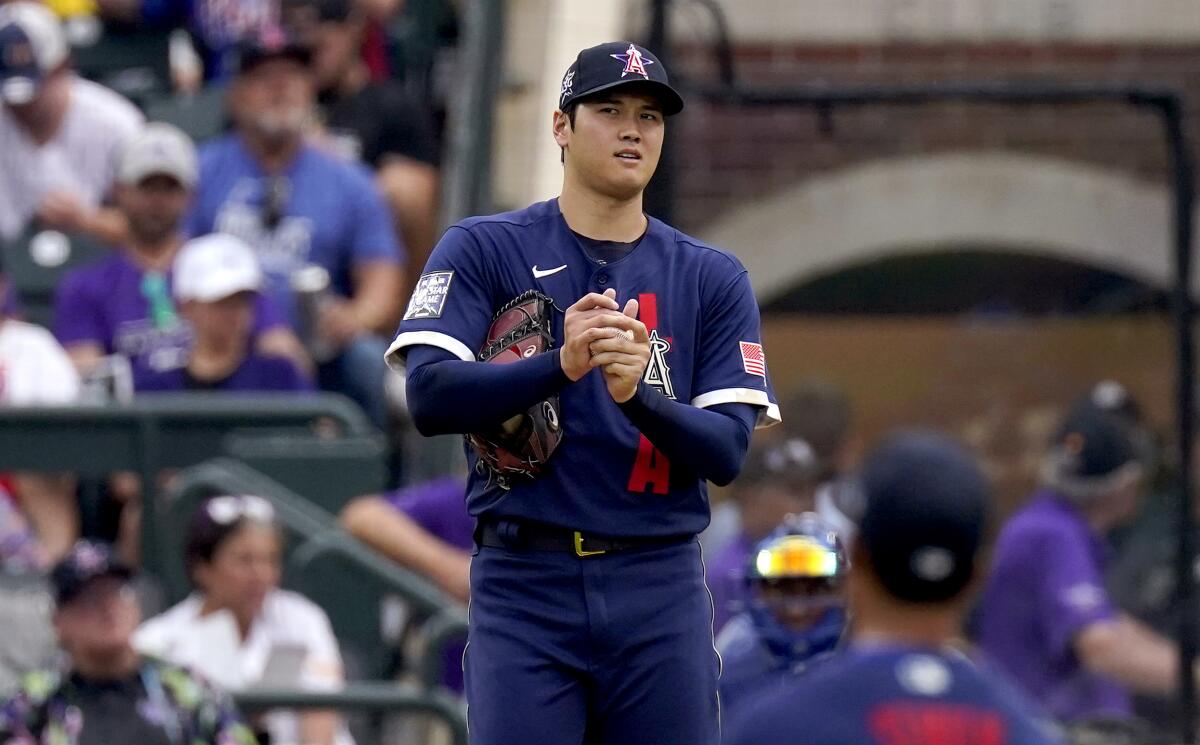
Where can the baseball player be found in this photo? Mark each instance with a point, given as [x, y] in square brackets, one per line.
[624, 368]
[796, 612]
[902, 679]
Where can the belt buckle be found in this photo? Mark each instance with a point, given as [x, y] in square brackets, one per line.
[579, 550]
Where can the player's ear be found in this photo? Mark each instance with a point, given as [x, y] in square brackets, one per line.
[561, 128]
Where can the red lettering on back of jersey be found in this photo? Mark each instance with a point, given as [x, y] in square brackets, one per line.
[911, 723]
[651, 470]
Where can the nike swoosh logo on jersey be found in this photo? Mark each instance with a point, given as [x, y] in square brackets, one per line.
[539, 273]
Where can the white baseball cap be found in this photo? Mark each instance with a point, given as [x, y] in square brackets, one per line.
[215, 267]
[160, 149]
[32, 44]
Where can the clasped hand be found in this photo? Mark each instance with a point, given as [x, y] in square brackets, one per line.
[599, 333]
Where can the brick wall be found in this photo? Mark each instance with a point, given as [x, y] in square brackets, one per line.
[729, 156]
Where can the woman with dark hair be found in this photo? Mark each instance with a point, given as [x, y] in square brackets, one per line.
[240, 628]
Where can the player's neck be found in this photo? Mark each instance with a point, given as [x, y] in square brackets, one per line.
[923, 631]
[884, 621]
[600, 217]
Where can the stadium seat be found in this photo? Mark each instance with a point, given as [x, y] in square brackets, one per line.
[200, 114]
[133, 63]
[327, 472]
[34, 263]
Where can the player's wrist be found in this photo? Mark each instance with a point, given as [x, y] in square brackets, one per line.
[572, 373]
[635, 399]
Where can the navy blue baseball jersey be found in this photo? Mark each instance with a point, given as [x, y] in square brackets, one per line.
[706, 349]
[892, 696]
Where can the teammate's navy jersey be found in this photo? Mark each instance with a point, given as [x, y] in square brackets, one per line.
[706, 349]
[892, 696]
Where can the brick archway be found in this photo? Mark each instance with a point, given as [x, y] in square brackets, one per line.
[1042, 206]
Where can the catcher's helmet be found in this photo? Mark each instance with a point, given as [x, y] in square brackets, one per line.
[796, 577]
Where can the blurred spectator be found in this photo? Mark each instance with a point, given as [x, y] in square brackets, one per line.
[217, 29]
[1141, 575]
[381, 123]
[240, 628]
[1045, 617]
[60, 135]
[298, 206]
[426, 529]
[778, 478]
[217, 280]
[819, 413]
[35, 371]
[108, 693]
[122, 304]
[795, 615]
[900, 678]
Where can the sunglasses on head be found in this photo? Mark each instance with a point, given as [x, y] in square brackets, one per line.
[229, 509]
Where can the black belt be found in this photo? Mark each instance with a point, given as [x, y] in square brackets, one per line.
[529, 536]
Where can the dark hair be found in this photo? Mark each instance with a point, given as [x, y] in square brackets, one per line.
[570, 112]
[216, 520]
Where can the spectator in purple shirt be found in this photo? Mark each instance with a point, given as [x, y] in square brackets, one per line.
[122, 304]
[424, 528]
[217, 280]
[1045, 616]
[778, 478]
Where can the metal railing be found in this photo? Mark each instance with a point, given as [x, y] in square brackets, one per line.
[377, 698]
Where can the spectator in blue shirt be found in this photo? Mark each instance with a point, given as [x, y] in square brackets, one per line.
[298, 206]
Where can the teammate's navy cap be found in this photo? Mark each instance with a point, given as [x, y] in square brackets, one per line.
[926, 508]
[87, 561]
[614, 64]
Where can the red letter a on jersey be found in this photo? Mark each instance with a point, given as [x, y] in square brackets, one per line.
[651, 471]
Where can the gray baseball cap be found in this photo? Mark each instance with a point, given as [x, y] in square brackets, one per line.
[160, 149]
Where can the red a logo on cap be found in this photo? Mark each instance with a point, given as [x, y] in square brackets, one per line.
[634, 62]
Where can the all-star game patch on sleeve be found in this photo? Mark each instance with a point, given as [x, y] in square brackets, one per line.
[451, 305]
[731, 365]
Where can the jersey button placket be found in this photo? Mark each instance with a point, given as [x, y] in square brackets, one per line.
[601, 279]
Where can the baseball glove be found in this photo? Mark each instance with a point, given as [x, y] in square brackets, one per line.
[521, 446]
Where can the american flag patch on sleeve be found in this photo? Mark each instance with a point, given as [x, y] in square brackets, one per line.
[753, 359]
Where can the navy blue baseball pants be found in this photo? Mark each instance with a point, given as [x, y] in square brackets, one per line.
[613, 649]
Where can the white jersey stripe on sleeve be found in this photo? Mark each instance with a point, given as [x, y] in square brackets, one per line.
[395, 357]
[767, 417]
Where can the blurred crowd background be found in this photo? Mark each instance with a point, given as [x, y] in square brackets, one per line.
[205, 198]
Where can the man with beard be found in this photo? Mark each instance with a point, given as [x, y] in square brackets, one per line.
[299, 206]
[122, 304]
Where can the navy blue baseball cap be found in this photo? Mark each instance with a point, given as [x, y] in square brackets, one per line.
[32, 44]
[271, 43]
[87, 561]
[1092, 453]
[925, 516]
[615, 64]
